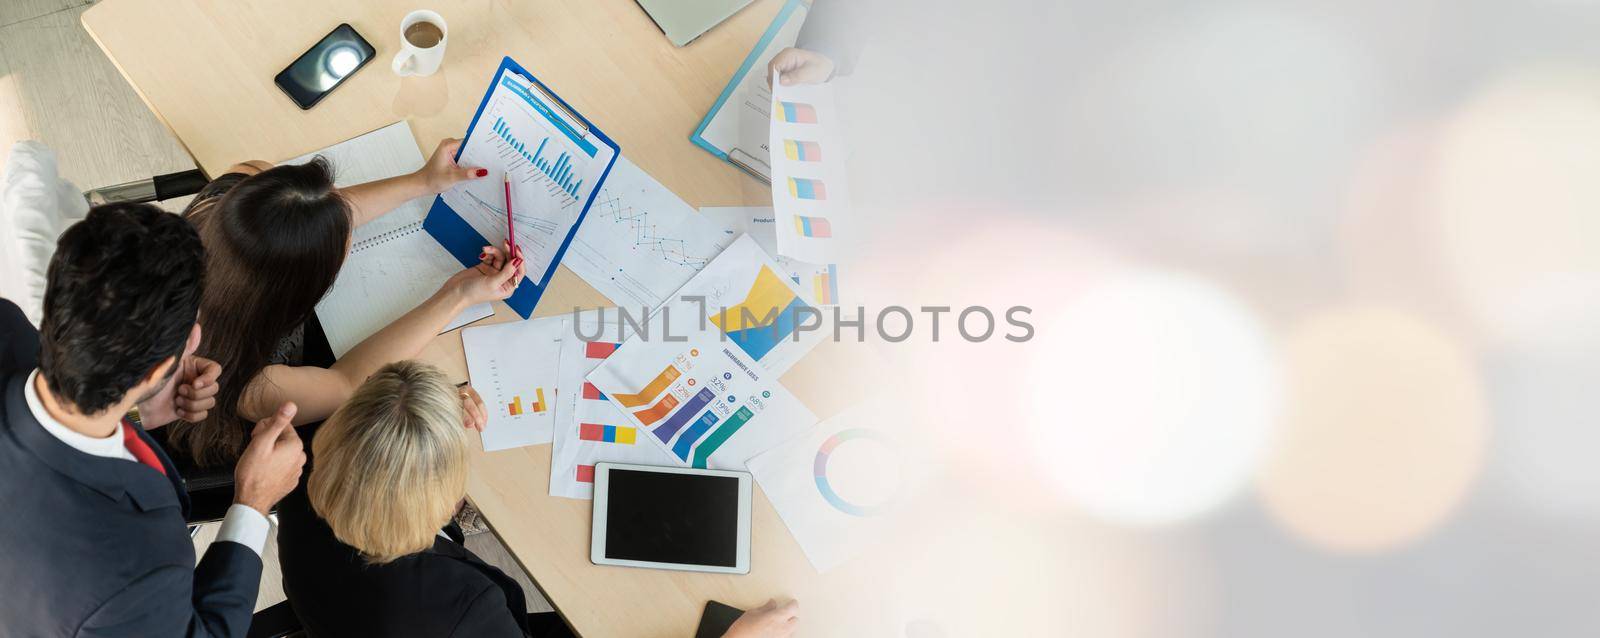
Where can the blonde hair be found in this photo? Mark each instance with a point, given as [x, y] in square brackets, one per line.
[390, 465]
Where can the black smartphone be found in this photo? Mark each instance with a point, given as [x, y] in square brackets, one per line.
[324, 66]
[716, 619]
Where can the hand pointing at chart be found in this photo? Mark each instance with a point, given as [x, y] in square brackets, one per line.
[441, 172]
[494, 279]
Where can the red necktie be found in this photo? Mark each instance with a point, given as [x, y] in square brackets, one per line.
[141, 450]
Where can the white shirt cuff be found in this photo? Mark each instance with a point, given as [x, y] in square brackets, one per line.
[245, 526]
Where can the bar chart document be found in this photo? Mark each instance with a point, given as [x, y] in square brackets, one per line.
[640, 242]
[513, 366]
[555, 163]
[745, 299]
[704, 401]
[589, 429]
[810, 192]
[820, 280]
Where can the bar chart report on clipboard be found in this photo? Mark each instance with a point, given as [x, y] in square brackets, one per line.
[555, 162]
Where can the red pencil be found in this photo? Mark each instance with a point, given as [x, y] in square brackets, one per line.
[511, 226]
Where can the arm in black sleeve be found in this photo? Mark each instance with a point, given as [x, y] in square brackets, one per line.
[488, 616]
[19, 341]
[215, 600]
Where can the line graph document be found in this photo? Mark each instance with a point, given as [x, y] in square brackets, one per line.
[640, 242]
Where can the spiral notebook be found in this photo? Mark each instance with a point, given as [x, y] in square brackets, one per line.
[393, 264]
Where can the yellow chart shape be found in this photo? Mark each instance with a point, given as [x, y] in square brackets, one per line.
[767, 296]
[651, 390]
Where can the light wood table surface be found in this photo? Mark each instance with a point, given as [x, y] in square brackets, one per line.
[206, 69]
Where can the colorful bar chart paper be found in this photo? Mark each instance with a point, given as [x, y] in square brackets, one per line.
[654, 413]
[773, 307]
[812, 226]
[802, 150]
[690, 409]
[804, 188]
[622, 435]
[699, 429]
[598, 349]
[729, 428]
[589, 427]
[825, 285]
[796, 112]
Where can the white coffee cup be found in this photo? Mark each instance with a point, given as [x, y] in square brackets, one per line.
[421, 60]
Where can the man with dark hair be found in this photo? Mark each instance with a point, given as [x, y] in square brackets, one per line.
[96, 544]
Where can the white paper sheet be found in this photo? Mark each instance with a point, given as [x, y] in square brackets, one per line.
[393, 266]
[837, 486]
[553, 170]
[820, 282]
[810, 189]
[743, 298]
[589, 429]
[640, 242]
[515, 367]
[703, 399]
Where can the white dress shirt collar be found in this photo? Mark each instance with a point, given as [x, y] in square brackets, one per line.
[108, 447]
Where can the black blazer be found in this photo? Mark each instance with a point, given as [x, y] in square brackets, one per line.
[97, 547]
[442, 591]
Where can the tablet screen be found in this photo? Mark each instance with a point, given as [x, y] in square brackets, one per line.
[672, 518]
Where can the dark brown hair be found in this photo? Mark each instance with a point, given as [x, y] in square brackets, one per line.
[121, 297]
[274, 244]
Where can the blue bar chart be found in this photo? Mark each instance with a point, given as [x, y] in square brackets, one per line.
[560, 171]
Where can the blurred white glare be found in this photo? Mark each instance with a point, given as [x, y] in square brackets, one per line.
[1017, 575]
[342, 60]
[1546, 441]
[1384, 430]
[1151, 398]
[1514, 200]
[1226, 95]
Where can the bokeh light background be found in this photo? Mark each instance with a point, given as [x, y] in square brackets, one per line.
[1317, 295]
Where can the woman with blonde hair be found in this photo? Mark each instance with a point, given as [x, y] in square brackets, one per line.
[368, 547]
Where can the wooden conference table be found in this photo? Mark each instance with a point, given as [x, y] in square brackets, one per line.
[206, 69]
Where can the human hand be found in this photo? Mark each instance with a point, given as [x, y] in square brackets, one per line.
[493, 279]
[271, 464]
[189, 393]
[799, 66]
[441, 171]
[767, 621]
[473, 415]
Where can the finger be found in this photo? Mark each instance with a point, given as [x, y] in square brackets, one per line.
[505, 275]
[289, 435]
[448, 147]
[471, 172]
[210, 371]
[194, 410]
[492, 256]
[268, 429]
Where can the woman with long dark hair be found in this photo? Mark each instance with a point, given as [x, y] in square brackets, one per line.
[275, 238]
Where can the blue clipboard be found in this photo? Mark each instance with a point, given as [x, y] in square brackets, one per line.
[739, 157]
[465, 243]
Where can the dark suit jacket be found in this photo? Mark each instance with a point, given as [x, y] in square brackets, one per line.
[94, 546]
[442, 591]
